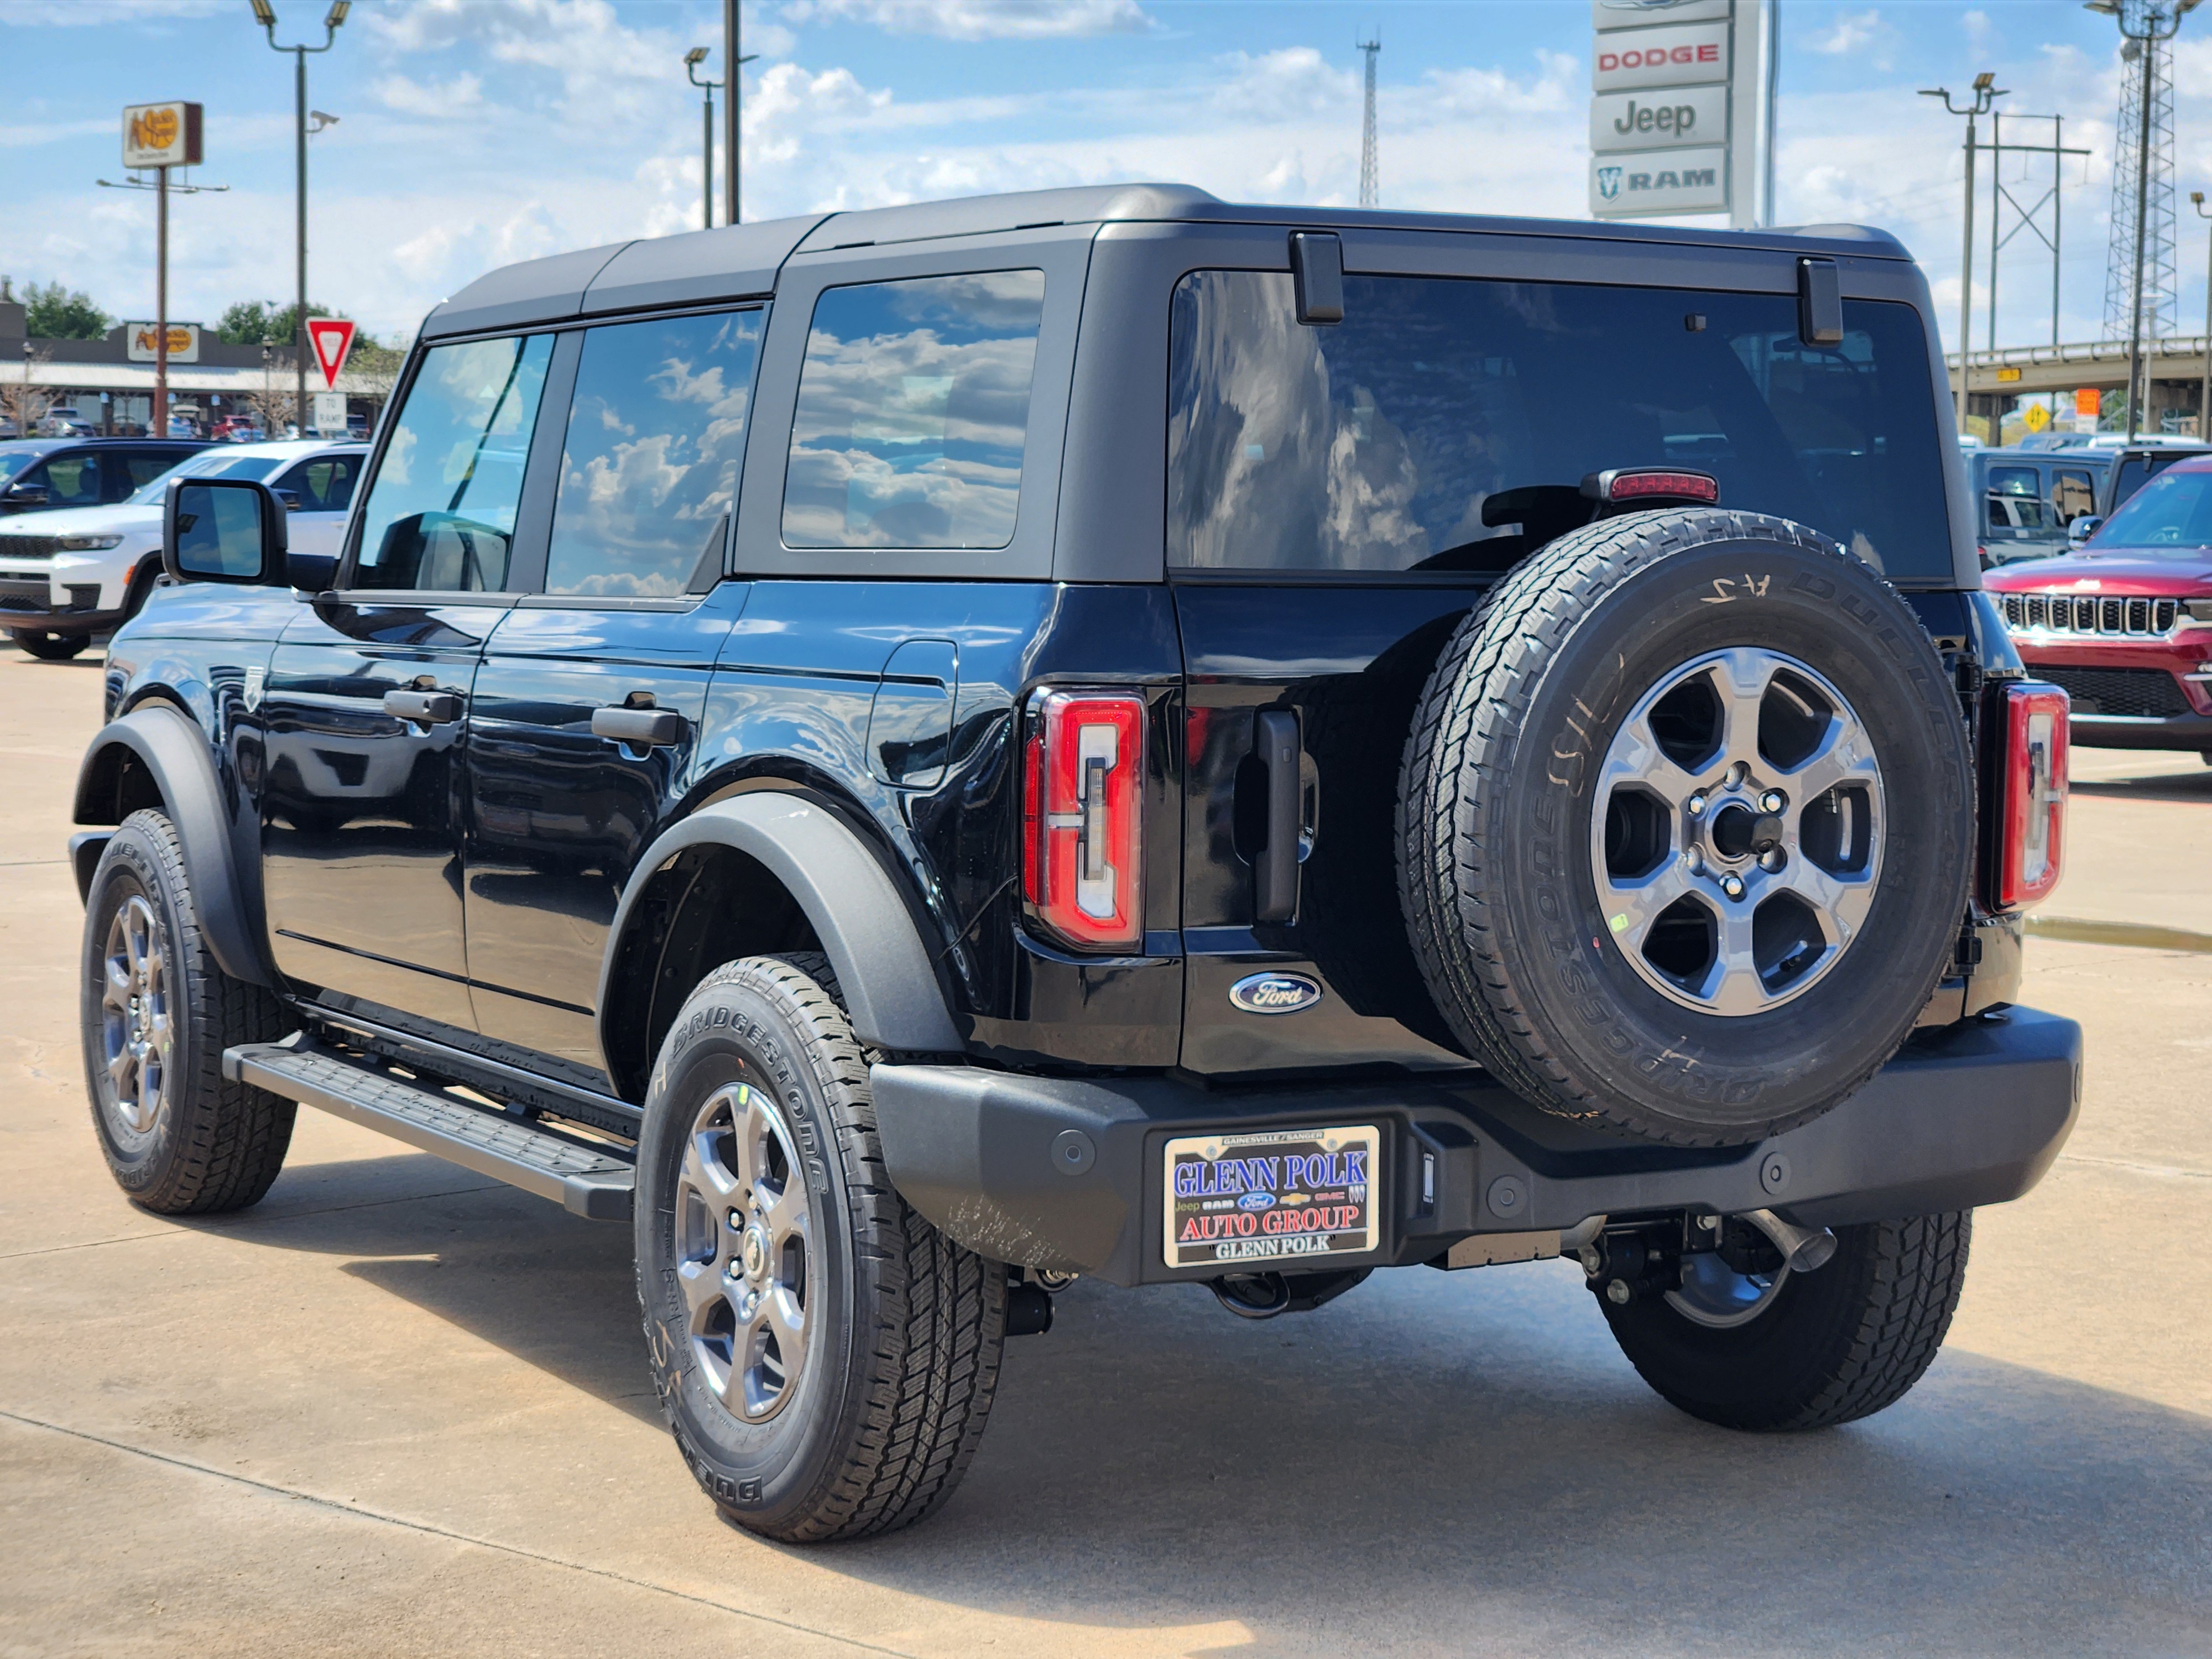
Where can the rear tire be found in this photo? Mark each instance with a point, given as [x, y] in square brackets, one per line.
[156, 1012]
[825, 1358]
[49, 646]
[1838, 1343]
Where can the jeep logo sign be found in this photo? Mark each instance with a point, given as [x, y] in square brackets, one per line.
[1274, 993]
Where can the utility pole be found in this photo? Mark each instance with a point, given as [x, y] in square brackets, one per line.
[1767, 117]
[2025, 218]
[733, 68]
[1369, 191]
[266, 14]
[2205, 392]
[692, 59]
[1986, 92]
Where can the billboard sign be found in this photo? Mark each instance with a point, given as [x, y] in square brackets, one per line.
[1675, 93]
[140, 339]
[161, 135]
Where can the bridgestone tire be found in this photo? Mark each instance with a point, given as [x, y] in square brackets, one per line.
[904, 1329]
[212, 1145]
[50, 647]
[1838, 1343]
[1495, 828]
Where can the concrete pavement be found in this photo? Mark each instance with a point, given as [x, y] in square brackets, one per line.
[397, 1410]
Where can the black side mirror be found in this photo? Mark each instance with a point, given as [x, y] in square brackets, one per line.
[28, 495]
[2082, 528]
[311, 573]
[223, 530]
[290, 498]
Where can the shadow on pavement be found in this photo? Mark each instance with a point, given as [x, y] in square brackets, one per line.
[1429, 1464]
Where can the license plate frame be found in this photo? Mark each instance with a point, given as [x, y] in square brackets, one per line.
[1236, 1186]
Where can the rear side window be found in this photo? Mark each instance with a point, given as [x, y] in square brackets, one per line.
[440, 511]
[1375, 445]
[2073, 494]
[2012, 504]
[656, 438]
[143, 467]
[913, 408]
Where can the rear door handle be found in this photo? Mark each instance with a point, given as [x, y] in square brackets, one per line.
[1275, 876]
[423, 708]
[646, 728]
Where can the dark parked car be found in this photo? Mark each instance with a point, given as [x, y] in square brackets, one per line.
[911, 755]
[41, 474]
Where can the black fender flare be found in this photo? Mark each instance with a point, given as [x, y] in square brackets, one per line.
[884, 969]
[174, 752]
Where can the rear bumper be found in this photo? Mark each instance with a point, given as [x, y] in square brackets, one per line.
[1066, 1173]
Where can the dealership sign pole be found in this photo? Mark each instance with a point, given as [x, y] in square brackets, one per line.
[1676, 122]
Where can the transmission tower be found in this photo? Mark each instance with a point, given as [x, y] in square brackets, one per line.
[1369, 195]
[2159, 274]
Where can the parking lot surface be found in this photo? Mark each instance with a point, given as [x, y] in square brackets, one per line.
[396, 1409]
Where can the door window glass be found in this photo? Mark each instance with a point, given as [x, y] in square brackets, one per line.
[1381, 443]
[656, 439]
[70, 480]
[143, 467]
[2013, 504]
[440, 511]
[913, 407]
[323, 484]
[2073, 494]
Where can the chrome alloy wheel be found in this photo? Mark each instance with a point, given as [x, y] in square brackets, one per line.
[1735, 838]
[745, 1251]
[1714, 1295]
[136, 1031]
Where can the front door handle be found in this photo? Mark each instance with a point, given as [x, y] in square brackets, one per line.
[1275, 873]
[423, 708]
[643, 728]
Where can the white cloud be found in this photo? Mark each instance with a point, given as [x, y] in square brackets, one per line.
[87, 13]
[1852, 30]
[461, 96]
[982, 19]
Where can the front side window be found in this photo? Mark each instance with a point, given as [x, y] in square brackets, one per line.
[1377, 444]
[913, 408]
[656, 439]
[441, 512]
[323, 484]
[71, 480]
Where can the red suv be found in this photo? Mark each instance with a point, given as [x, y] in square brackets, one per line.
[2124, 622]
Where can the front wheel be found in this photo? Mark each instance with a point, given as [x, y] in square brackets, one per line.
[50, 647]
[1802, 1349]
[825, 1358]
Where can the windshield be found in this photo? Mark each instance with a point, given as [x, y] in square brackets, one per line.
[1445, 423]
[207, 465]
[2170, 517]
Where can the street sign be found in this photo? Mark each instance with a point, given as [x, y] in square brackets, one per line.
[2037, 418]
[332, 338]
[2088, 402]
[140, 339]
[330, 414]
[1673, 120]
[161, 135]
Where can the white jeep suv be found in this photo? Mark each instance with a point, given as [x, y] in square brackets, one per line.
[68, 574]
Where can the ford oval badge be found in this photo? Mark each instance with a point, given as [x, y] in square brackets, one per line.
[1274, 993]
[1256, 1200]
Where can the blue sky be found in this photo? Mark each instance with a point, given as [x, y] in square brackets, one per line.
[473, 132]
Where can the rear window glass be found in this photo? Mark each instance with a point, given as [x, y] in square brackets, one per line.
[1374, 445]
[913, 408]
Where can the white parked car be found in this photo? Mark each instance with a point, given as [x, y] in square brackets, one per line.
[68, 574]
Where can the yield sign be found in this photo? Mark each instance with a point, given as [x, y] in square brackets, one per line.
[332, 338]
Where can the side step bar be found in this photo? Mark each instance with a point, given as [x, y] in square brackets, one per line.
[584, 1179]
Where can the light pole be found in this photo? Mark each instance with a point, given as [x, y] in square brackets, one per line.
[692, 59]
[733, 64]
[1986, 92]
[2205, 392]
[266, 14]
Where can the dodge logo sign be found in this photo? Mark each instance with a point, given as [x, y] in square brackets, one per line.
[1274, 993]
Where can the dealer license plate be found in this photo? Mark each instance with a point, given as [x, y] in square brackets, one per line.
[1275, 1195]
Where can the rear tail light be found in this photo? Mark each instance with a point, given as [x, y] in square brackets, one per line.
[2034, 794]
[1082, 810]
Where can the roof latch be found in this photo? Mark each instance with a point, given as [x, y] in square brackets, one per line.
[1820, 303]
[1317, 276]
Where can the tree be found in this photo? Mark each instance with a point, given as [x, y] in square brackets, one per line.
[54, 313]
[251, 321]
[23, 401]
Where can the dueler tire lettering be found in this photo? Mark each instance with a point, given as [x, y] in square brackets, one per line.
[1495, 807]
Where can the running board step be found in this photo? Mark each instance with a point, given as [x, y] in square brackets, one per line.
[581, 1178]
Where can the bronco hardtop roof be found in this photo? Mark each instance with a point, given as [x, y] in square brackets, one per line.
[741, 262]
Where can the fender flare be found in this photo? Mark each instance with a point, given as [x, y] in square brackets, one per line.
[174, 752]
[890, 988]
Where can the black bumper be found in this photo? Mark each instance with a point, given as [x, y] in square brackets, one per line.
[2131, 732]
[1066, 1173]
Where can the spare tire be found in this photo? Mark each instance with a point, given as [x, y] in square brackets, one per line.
[1686, 823]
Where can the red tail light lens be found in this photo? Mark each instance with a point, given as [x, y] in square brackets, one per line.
[2035, 792]
[1082, 812]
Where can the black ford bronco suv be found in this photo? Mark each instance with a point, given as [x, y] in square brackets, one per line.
[912, 755]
